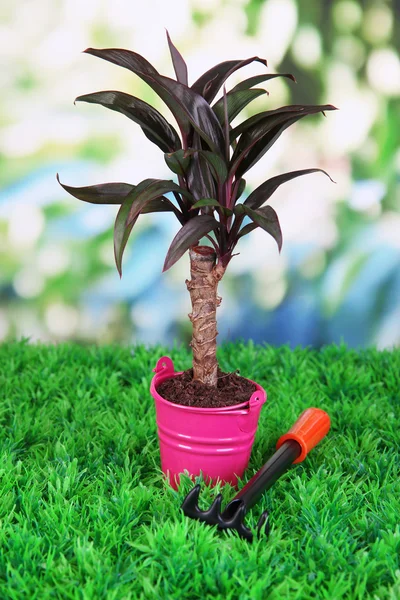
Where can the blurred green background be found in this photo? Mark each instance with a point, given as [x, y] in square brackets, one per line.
[338, 276]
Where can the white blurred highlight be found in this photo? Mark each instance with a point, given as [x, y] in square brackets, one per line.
[378, 24]
[389, 228]
[349, 50]
[269, 292]
[61, 319]
[98, 219]
[278, 20]
[26, 224]
[383, 71]
[53, 260]
[347, 15]
[30, 134]
[313, 265]
[106, 254]
[367, 194]
[307, 47]
[347, 129]
[59, 48]
[28, 283]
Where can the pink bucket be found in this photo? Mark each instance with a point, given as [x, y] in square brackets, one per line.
[216, 442]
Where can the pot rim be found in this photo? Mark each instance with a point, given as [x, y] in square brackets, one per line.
[259, 395]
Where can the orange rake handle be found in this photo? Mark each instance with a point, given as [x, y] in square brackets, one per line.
[310, 428]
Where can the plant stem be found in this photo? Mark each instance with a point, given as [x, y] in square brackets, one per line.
[213, 243]
[205, 275]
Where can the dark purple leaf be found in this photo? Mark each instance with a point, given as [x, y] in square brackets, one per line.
[123, 228]
[261, 135]
[251, 81]
[148, 190]
[259, 117]
[267, 219]
[236, 102]
[266, 189]
[198, 175]
[216, 163]
[102, 193]
[180, 66]
[124, 58]
[122, 232]
[226, 127]
[162, 205]
[189, 108]
[189, 235]
[153, 124]
[211, 82]
[256, 149]
[247, 229]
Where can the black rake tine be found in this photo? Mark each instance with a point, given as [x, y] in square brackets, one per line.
[190, 507]
[213, 515]
[263, 522]
[236, 522]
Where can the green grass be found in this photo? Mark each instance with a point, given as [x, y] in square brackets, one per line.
[84, 511]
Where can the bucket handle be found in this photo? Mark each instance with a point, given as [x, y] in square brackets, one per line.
[248, 421]
[165, 366]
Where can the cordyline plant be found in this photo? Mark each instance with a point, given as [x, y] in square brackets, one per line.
[210, 158]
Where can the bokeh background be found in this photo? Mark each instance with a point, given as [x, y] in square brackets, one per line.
[338, 276]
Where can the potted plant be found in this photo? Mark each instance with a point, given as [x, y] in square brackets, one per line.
[206, 419]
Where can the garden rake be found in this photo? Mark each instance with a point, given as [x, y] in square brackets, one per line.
[292, 448]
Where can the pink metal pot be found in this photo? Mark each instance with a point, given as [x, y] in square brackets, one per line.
[214, 441]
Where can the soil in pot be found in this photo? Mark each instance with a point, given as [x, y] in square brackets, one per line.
[231, 389]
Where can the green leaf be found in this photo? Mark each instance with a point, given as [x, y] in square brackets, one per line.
[210, 82]
[242, 187]
[266, 189]
[177, 161]
[236, 102]
[205, 202]
[266, 218]
[251, 81]
[102, 193]
[239, 210]
[189, 235]
[211, 202]
[180, 66]
[154, 126]
[147, 190]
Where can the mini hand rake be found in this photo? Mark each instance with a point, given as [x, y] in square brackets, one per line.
[309, 429]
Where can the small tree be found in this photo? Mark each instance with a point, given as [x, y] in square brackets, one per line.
[210, 158]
